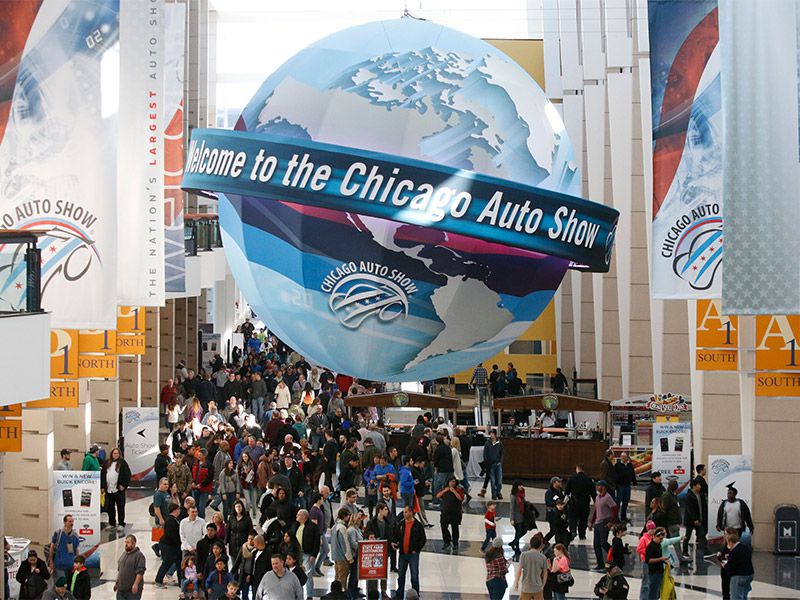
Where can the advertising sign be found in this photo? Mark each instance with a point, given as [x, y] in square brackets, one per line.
[727, 470]
[77, 493]
[140, 432]
[776, 343]
[423, 171]
[140, 176]
[672, 452]
[372, 559]
[687, 247]
[212, 343]
[58, 141]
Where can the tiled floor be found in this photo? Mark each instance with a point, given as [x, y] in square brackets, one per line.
[444, 576]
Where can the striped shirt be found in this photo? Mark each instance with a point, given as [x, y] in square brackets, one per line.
[479, 376]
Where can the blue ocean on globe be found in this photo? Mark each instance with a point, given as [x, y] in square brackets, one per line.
[379, 299]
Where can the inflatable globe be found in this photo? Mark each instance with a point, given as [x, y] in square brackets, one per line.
[374, 298]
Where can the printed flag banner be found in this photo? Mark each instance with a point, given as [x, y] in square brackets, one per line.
[174, 254]
[141, 153]
[760, 45]
[58, 103]
[687, 150]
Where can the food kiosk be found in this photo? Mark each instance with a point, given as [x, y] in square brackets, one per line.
[551, 442]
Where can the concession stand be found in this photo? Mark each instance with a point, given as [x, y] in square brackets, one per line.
[399, 410]
[632, 422]
[551, 442]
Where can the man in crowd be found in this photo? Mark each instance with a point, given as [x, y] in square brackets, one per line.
[493, 460]
[63, 548]
[130, 571]
[306, 532]
[581, 490]
[409, 540]
[734, 512]
[170, 545]
[63, 464]
[279, 583]
[91, 462]
[669, 500]
[532, 572]
[603, 513]
[654, 490]
[191, 530]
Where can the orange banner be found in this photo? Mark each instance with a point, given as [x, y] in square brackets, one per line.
[778, 384]
[131, 344]
[776, 343]
[103, 341]
[11, 410]
[63, 394]
[11, 436]
[707, 359]
[715, 330]
[64, 354]
[130, 319]
[95, 366]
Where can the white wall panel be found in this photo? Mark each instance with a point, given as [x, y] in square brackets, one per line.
[619, 33]
[552, 50]
[571, 69]
[594, 57]
[25, 357]
[620, 118]
[642, 28]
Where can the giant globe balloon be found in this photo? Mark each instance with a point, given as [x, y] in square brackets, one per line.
[375, 298]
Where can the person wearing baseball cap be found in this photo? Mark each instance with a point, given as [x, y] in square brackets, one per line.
[613, 584]
[604, 512]
[59, 592]
[91, 462]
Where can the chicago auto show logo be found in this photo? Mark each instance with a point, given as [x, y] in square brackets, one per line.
[720, 466]
[68, 249]
[694, 244]
[367, 289]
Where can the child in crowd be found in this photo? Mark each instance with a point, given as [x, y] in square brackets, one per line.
[293, 566]
[618, 548]
[560, 521]
[189, 575]
[217, 582]
[489, 522]
[233, 591]
[560, 572]
[78, 580]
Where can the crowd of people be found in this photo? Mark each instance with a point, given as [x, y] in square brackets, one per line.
[259, 450]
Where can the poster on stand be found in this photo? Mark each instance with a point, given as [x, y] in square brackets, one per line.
[372, 563]
[140, 432]
[727, 470]
[672, 452]
[687, 151]
[77, 493]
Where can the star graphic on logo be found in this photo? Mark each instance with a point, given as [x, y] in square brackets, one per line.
[18, 286]
[53, 249]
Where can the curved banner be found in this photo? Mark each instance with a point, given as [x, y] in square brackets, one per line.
[401, 189]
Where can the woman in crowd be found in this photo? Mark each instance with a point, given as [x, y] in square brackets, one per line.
[228, 484]
[458, 466]
[517, 516]
[560, 572]
[243, 564]
[174, 412]
[452, 498]
[657, 514]
[196, 411]
[354, 535]
[239, 526]
[32, 577]
[248, 479]
[496, 570]
[115, 478]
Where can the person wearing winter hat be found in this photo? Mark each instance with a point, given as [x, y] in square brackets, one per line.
[496, 569]
[59, 592]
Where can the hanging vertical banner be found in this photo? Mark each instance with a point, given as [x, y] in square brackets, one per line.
[776, 350]
[174, 252]
[717, 338]
[726, 471]
[64, 354]
[141, 153]
[58, 104]
[760, 44]
[77, 493]
[672, 451]
[140, 432]
[687, 152]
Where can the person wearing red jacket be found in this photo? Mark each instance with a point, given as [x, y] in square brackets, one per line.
[202, 480]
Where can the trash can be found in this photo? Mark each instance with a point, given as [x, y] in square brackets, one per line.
[787, 522]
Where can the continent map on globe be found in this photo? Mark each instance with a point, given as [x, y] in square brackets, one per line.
[382, 299]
